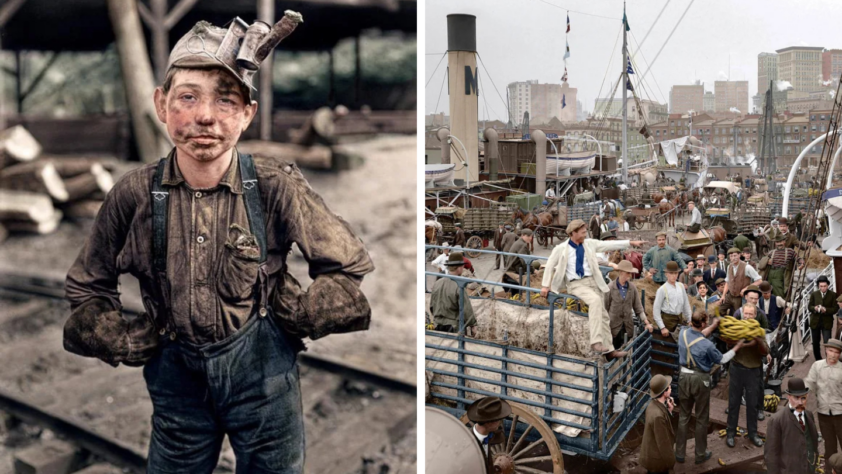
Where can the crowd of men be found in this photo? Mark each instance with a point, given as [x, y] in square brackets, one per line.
[730, 283]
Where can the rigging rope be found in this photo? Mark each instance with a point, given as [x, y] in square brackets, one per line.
[493, 84]
[668, 37]
[653, 24]
[434, 70]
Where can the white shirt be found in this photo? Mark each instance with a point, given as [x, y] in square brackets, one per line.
[481, 439]
[550, 193]
[697, 217]
[625, 226]
[671, 299]
[750, 272]
[571, 264]
[764, 303]
[439, 262]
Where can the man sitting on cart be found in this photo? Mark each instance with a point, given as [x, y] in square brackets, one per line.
[695, 218]
[573, 265]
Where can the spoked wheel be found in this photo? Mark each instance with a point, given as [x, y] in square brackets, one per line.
[474, 242]
[530, 448]
[560, 234]
[542, 237]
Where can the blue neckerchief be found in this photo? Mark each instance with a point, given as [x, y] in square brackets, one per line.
[580, 258]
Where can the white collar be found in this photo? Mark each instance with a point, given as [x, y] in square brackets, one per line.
[479, 436]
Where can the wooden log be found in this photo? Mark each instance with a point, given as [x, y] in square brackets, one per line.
[36, 176]
[88, 184]
[17, 143]
[84, 209]
[74, 165]
[315, 157]
[24, 206]
[46, 227]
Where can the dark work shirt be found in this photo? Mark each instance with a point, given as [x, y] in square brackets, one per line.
[211, 284]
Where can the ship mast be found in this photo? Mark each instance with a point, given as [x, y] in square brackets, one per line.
[625, 176]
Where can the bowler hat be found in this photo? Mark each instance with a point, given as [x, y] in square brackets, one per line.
[822, 279]
[733, 250]
[834, 343]
[711, 259]
[796, 387]
[765, 287]
[782, 220]
[659, 385]
[455, 259]
[608, 235]
[755, 289]
[488, 409]
[672, 267]
[696, 272]
[626, 266]
[575, 225]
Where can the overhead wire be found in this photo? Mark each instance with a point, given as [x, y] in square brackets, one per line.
[668, 37]
[435, 111]
[508, 111]
[434, 70]
[579, 12]
[639, 51]
[653, 24]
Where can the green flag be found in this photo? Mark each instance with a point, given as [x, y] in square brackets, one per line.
[625, 20]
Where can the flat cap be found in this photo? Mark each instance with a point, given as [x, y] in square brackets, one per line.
[575, 225]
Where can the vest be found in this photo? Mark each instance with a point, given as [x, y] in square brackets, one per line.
[739, 281]
[773, 312]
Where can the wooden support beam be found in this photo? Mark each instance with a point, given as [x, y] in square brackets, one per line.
[177, 13]
[137, 76]
[19, 80]
[160, 39]
[40, 76]
[8, 10]
[145, 15]
[266, 12]
[357, 73]
[331, 95]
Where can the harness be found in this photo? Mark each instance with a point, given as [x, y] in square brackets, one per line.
[160, 212]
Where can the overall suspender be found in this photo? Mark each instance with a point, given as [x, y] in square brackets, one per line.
[690, 362]
[160, 208]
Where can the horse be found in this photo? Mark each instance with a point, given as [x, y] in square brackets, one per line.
[667, 209]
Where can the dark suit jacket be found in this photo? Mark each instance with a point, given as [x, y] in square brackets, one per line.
[786, 445]
[823, 320]
[495, 438]
[711, 279]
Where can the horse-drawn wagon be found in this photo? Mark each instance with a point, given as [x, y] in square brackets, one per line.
[478, 224]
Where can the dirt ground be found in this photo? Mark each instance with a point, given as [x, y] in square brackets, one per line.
[379, 202]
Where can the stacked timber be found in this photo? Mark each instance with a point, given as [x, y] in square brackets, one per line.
[37, 190]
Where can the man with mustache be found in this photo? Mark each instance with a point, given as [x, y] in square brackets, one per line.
[207, 230]
[792, 445]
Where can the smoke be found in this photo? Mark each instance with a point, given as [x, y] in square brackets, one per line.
[723, 75]
[691, 112]
[832, 94]
[783, 85]
[734, 110]
[826, 83]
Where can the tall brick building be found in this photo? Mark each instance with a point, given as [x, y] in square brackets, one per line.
[729, 94]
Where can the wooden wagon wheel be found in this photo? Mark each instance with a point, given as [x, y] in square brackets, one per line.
[474, 242]
[519, 456]
[560, 234]
[542, 236]
[639, 223]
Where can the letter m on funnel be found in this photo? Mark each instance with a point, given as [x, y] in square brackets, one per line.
[471, 81]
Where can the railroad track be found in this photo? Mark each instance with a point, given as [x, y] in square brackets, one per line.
[100, 416]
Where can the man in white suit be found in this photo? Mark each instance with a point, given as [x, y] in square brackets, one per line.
[573, 265]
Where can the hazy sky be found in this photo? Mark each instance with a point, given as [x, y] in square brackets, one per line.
[519, 40]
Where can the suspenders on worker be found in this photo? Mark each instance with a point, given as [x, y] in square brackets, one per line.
[160, 207]
[691, 364]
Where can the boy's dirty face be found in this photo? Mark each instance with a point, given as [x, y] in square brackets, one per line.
[205, 111]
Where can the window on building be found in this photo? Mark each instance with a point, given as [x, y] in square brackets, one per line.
[787, 129]
[822, 117]
[787, 150]
[813, 128]
[716, 140]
